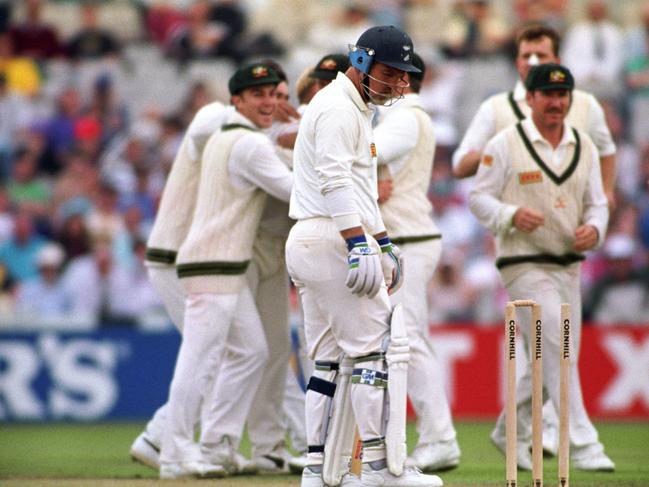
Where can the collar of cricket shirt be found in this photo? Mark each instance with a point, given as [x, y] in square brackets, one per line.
[350, 90]
[568, 137]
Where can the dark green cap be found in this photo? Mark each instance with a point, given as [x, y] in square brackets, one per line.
[330, 65]
[252, 75]
[549, 76]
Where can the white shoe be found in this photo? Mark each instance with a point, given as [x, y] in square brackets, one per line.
[224, 455]
[435, 457]
[312, 477]
[297, 464]
[144, 451]
[524, 457]
[244, 465]
[377, 474]
[591, 458]
[191, 470]
[275, 461]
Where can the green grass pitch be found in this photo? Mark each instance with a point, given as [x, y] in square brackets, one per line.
[97, 455]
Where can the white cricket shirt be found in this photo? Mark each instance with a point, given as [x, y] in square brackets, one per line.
[334, 153]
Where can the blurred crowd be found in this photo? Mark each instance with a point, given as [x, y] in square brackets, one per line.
[95, 98]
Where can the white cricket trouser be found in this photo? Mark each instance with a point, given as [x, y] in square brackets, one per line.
[337, 321]
[211, 320]
[269, 283]
[550, 286]
[167, 284]
[425, 381]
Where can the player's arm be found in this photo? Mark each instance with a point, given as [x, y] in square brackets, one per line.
[484, 199]
[591, 233]
[254, 160]
[482, 128]
[601, 136]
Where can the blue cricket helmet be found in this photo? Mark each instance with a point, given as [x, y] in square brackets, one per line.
[384, 44]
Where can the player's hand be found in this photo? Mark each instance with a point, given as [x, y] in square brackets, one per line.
[385, 190]
[586, 237]
[391, 264]
[285, 112]
[364, 275]
[527, 220]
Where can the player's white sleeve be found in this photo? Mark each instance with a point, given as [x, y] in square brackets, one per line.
[481, 129]
[598, 130]
[484, 199]
[254, 164]
[595, 202]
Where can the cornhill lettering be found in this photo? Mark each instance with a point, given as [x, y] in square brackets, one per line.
[512, 339]
[537, 350]
[566, 338]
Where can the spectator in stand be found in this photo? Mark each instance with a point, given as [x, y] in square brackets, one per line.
[16, 114]
[622, 295]
[26, 188]
[19, 253]
[160, 20]
[6, 218]
[78, 179]
[91, 42]
[636, 43]
[20, 72]
[5, 14]
[33, 38]
[331, 33]
[593, 49]
[100, 289]
[110, 112]
[44, 297]
[73, 235]
[474, 31]
[125, 240]
[104, 220]
[59, 129]
[210, 31]
[121, 172]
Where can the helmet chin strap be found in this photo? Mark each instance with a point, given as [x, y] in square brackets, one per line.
[377, 98]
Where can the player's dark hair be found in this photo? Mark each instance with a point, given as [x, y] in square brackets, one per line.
[534, 32]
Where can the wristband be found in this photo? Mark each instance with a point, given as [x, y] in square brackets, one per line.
[385, 244]
[359, 241]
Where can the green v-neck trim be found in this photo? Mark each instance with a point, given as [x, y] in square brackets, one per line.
[558, 179]
[232, 126]
[515, 108]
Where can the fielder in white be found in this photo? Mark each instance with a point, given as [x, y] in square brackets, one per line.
[238, 165]
[339, 257]
[267, 422]
[539, 190]
[535, 44]
[405, 143]
[169, 231]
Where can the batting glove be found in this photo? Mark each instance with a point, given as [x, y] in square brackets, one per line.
[392, 264]
[364, 276]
